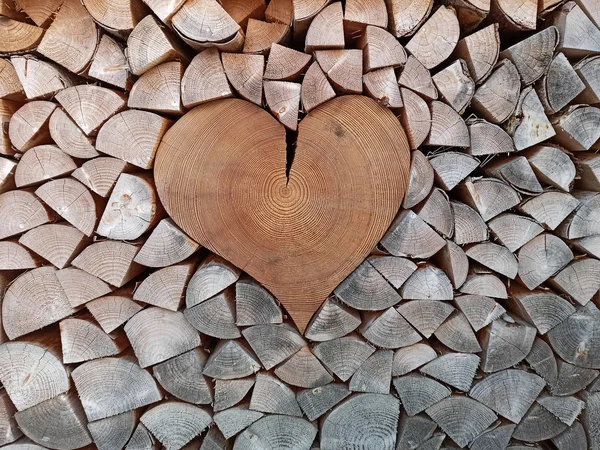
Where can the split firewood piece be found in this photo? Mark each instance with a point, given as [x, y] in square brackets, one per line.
[7, 109]
[455, 85]
[21, 211]
[552, 166]
[359, 14]
[165, 287]
[415, 117]
[480, 51]
[435, 210]
[332, 320]
[461, 418]
[234, 420]
[110, 64]
[343, 356]
[516, 171]
[175, 423]
[72, 28]
[456, 334]
[272, 430]
[111, 261]
[113, 310]
[417, 393]
[343, 69]
[448, 129]
[495, 257]
[283, 100]
[572, 437]
[421, 179]
[579, 37]
[195, 85]
[10, 429]
[542, 360]
[565, 409]
[271, 395]
[58, 423]
[484, 284]
[541, 258]
[496, 99]
[381, 85]
[505, 344]
[90, 106]
[316, 402]
[281, 11]
[212, 276]
[406, 16]
[489, 196]
[100, 174]
[590, 416]
[117, 17]
[150, 44]
[580, 279]
[83, 340]
[18, 37]
[560, 85]
[114, 431]
[72, 201]
[7, 174]
[515, 15]
[375, 374]
[454, 262]
[141, 439]
[514, 231]
[245, 73]
[450, 168]
[366, 412]
[417, 78]
[69, 137]
[164, 10]
[10, 9]
[587, 69]
[427, 283]
[589, 245]
[425, 315]
[166, 245]
[479, 310]
[159, 89]
[42, 163]
[388, 329]
[589, 166]
[215, 316]
[572, 379]
[241, 12]
[41, 13]
[412, 357]
[204, 21]
[550, 208]
[316, 89]
[273, 343]
[254, 305]
[583, 222]
[80, 287]
[230, 359]
[28, 126]
[260, 36]
[326, 30]
[428, 46]
[455, 369]
[380, 49]
[111, 386]
[499, 435]
[510, 392]
[133, 208]
[10, 85]
[229, 393]
[538, 425]
[145, 331]
[414, 430]
[182, 377]
[37, 359]
[14, 256]
[57, 243]
[574, 129]
[409, 235]
[285, 63]
[469, 227]
[304, 370]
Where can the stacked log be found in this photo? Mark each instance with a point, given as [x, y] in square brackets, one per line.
[474, 322]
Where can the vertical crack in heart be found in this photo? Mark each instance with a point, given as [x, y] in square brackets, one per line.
[291, 137]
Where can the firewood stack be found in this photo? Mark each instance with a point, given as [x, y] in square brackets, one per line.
[475, 321]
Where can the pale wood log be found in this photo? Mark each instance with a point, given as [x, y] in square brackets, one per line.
[461, 418]
[213, 275]
[111, 261]
[100, 174]
[261, 35]
[204, 21]
[516, 171]
[415, 117]
[111, 386]
[412, 357]
[590, 417]
[405, 16]
[283, 100]
[395, 270]
[41, 163]
[414, 431]
[510, 392]
[513, 230]
[495, 437]
[572, 379]
[80, 287]
[454, 262]
[6, 277]
[14, 256]
[417, 78]
[316, 88]
[388, 329]
[158, 89]
[28, 126]
[469, 227]
[7, 109]
[496, 99]
[538, 425]
[57, 423]
[165, 287]
[344, 69]
[229, 360]
[425, 315]
[380, 49]
[83, 340]
[541, 258]
[435, 210]
[273, 343]
[141, 439]
[455, 85]
[275, 431]
[580, 279]
[543, 309]
[18, 37]
[427, 283]
[164, 9]
[228, 393]
[455, 369]
[573, 437]
[574, 127]
[552, 166]
[245, 73]
[484, 284]
[589, 245]
[175, 423]
[529, 125]
[480, 51]
[421, 177]
[7, 174]
[69, 137]
[9, 430]
[113, 432]
[316, 402]
[117, 17]
[235, 44]
[505, 344]
[332, 320]
[234, 420]
[166, 245]
[456, 334]
[448, 129]
[451, 168]
[41, 13]
[242, 11]
[583, 222]
[417, 393]
[375, 374]
[409, 235]
[57, 243]
[271, 395]
[550, 208]
[10, 9]
[326, 30]
[213, 440]
[215, 316]
[10, 85]
[358, 14]
[72, 201]
[304, 370]
[381, 85]
[489, 196]
[479, 310]
[285, 64]
[587, 69]
[110, 64]
[496, 257]
[560, 85]
[589, 166]
[281, 11]
[255, 305]
[515, 15]
[542, 360]
[565, 409]
[343, 356]
[195, 85]
[488, 138]
[442, 22]
[579, 36]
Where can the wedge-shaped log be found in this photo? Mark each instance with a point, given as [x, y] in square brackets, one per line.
[538, 425]
[212, 276]
[489, 196]
[573, 127]
[254, 305]
[83, 340]
[580, 279]
[541, 258]
[560, 85]
[480, 51]
[8, 425]
[260, 35]
[71, 139]
[165, 287]
[28, 126]
[388, 329]
[529, 125]
[427, 283]
[495, 257]
[316, 402]
[479, 310]
[80, 287]
[326, 31]
[448, 129]
[451, 168]
[469, 227]
[505, 344]
[215, 316]
[316, 88]
[415, 117]
[579, 36]
[484, 284]
[14, 256]
[273, 396]
[158, 89]
[493, 437]
[285, 63]
[113, 311]
[273, 343]
[417, 78]
[113, 432]
[414, 430]
[409, 235]
[204, 21]
[245, 72]
[496, 99]
[542, 360]
[332, 320]
[111, 261]
[228, 393]
[110, 64]
[119, 16]
[455, 85]
[488, 138]
[274, 430]
[417, 393]
[541, 308]
[229, 360]
[412, 357]
[283, 100]
[343, 69]
[304, 370]
[572, 379]
[583, 222]
[565, 409]
[375, 374]
[343, 356]
[516, 171]
[380, 49]
[381, 85]
[195, 85]
[513, 230]
[425, 315]
[42, 163]
[456, 334]
[515, 15]
[234, 420]
[455, 369]
[421, 178]
[394, 269]
[39, 78]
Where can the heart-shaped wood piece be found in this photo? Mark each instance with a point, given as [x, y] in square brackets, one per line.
[220, 172]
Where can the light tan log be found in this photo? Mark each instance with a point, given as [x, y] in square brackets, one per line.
[488, 138]
[455, 369]
[496, 99]
[455, 85]
[304, 370]
[454, 262]
[358, 14]
[245, 73]
[489, 196]
[204, 21]
[409, 235]
[110, 64]
[41, 13]
[469, 227]
[7, 174]
[343, 356]
[10, 85]
[381, 85]
[40, 79]
[164, 9]
[7, 109]
[421, 178]
[118, 17]
[480, 51]
[552, 166]
[281, 11]
[505, 344]
[412, 357]
[234, 420]
[212, 276]
[343, 69]
[388, 329]
[541, 258]
[113, 432]
[448, 129]
[195, 86]
[515, 15]
[450, 168]
[589, 245]
[229, 393]
[111, 386]
[587, 69]
[316, 89]
[271, 395]
[241, 12]
[215, 316]
[80, 287]
[9, 427]
[316, 402]
[514, 231]
[425, 315]
[42, 163]
[456, 334]
[435, 210]
[159, 89]
[18, 37]
[111, 261]
[57, 243]
[69, 137]
[261, 35]
[83, 340]
[326, 30]
[254, 305]
[579, 37]
[560, 85]
[484, 284]
[112, 311]
[28, 126]
[275, 430]
[580, 279]
[417, 393]
[574, 129]
[100, 174]
[273, 343]
[332, 320]
[406, 16]
[550, 208]
[415, 117]
[231, 360]
[165, 287]
[417, 78]
[285, 64]
[380, 49]
[14, 256]
[427, 283]
[283, 100]
[166, 245]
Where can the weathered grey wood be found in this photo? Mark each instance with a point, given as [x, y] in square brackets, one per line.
[427, 283]
[230, 359]
[394, 269]
[454, 262]
[434, 442]
[488, 196]
[353, 422]
[80, 287]
[375, 374]
[414, 431]
[332, 320]
[541, 258]
[233, 420]
[9, 430]
[469, 227]
[589, 245]
[516, 171]
[215, 316]
[448, 128]
[455, 85]
[574, 127]
[579, 36]
[409, 235]
[212, 276]
[455, 369]
[573, 438]
[83, 340]
[552, 166]
[538, 425]
[587, 69]
[273, 396]
[182, 377]
[141, 439]
[113, 432]
[214, 440]
[304, 370]
[388, 329]
[480, 51]
[114, 310]
[495, 257]
[580, 279]
[457, 334]
[488, 138]
[316, 402]
[550, 208]
[451, 168]
[417, 393]
[510, 392]
[496, 438]
[496, 98]
[412, 357]
[479, 310]
[484, 284]
[228, 393]
[591, 418]
[572, 379]
[505, 344]
[542, 360]
[461, 418]
[165, 287]
[435, 210]
[565, 409]
[24, 444]
[513, 230]
[421, 177]
[425, 315]
[560, 85]
[273, 343]
[284, 432]
[529, 125]
[584, 221]
[344, 355]
[254, 304]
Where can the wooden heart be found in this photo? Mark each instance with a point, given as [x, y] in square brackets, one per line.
[221, 174]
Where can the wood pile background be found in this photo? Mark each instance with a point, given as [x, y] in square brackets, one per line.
[474, 323]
